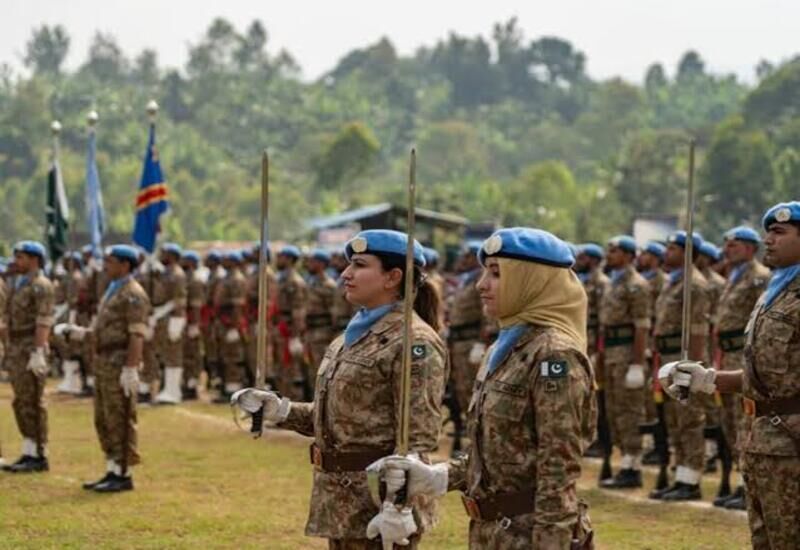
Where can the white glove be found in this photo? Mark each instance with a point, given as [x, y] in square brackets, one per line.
[129, 380]
[687, 374]
[61, 328]
[423, 479]
[152, 321]
[149, 332]
[175, 326]
[296, 347]
[37, 363]
[59, 311]
[393, 525]
[77, 333]
[476, 353]
[232, 336]
[162, 311]
[193, 331]
[634, 378]
[276, 409]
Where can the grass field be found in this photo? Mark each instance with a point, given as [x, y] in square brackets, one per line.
[204, 484]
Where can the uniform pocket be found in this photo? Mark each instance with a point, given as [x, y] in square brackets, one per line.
[504, 405]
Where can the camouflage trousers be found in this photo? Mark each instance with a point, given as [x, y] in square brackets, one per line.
[29, 405]
[463, 372]
[731, 411]
[114, 428]
[192, 358]
[773, 506]
[685, 425]
[519, 534]
[624, 407]
[231, 357]
[366, 544]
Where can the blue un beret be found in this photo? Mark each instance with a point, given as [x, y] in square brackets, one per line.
[625, 242]
[192, 256]
[124, 252]
[172, 248]
[234, 256]
[656, 249]
[679, 238]
[529, 245]
[214, 255]
[290, 250]
[591, 249]
[743, 233]
[472, 246]
[431, 255]
[33, 248]
[383, 242]
[710, 249]
[781, 213]
[321, 255]
[76, 257]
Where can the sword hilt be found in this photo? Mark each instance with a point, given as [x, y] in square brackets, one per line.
[257, 422]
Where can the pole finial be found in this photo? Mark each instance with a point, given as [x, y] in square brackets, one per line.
[55, 127]
[152, 109]
[92, 118]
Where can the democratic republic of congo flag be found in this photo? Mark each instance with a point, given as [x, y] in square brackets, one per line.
[151, 201]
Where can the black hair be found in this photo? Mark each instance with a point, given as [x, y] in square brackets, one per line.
[426, 302]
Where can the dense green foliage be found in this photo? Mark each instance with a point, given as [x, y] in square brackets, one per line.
[507, 129]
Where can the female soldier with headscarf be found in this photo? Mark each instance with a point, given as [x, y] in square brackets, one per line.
[355, 413]
[532, 411]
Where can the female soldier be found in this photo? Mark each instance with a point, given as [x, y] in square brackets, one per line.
[532, 411]
[355, 413]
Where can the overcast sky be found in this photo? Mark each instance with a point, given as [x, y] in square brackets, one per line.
[619, 37]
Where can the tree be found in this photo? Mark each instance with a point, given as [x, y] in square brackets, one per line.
[452, 152]
[106, 61]
[145, 68]
[690, 66]
[777, 98]
[348, 156]
[46, 50]
[737, 176]
[655, 79]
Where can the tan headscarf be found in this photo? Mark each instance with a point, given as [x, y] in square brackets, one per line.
[539, 294]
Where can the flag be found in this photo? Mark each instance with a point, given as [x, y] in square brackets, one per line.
[94, 200]
[57, 212]
[151, 201]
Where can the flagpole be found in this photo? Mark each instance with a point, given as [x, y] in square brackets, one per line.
[91, 122]
[55, 131]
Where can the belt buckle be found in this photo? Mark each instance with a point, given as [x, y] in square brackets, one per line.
[316, 458]
[471, 506]
[504, 522]
[775, 420]
[748, 406]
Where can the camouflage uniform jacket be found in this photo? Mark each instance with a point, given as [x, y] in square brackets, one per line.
[174, 287]
[356, 408]
[739, 297]
[595, 286]
[669, 309]
[626, 301]
[772, 371]
[195, 297]
[716, 285]
[30, 304]
[319, 319]
[3, 305]
[530, 423]
[341, 310]
[120, 315]
[231, 293]
[292, 299]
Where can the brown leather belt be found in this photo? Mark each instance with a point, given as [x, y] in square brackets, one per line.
[332, 461]
[499, 506]
[731, 340]
[319, 320]
[469, 331]
[111, 346]
[619, 335]
[668, 344]
[771, 407]
[22, 333]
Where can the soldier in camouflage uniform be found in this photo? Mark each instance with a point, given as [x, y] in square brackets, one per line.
[230, 301]
[319, 321]
[770, 381]
[209, 322]
[436, 279]
[468, 328]
[533, 411]
[341, 310]
[69, 346]
[252, 310]
[595, 282]
[292, 301]
[625, 324]
[192, 343]
[746, 282]
[149, 275]
[3, 333]
[119, 338]
[171, 324]
[29, 315]
[649, 265]
[685, 423]
[354, 415]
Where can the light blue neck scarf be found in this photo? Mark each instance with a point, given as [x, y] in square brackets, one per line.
[506, 340]
[616, 275]
[114, 286]
[362, 321]
[781, 278]
[737, 272]
[675, 276]
[649, 274]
